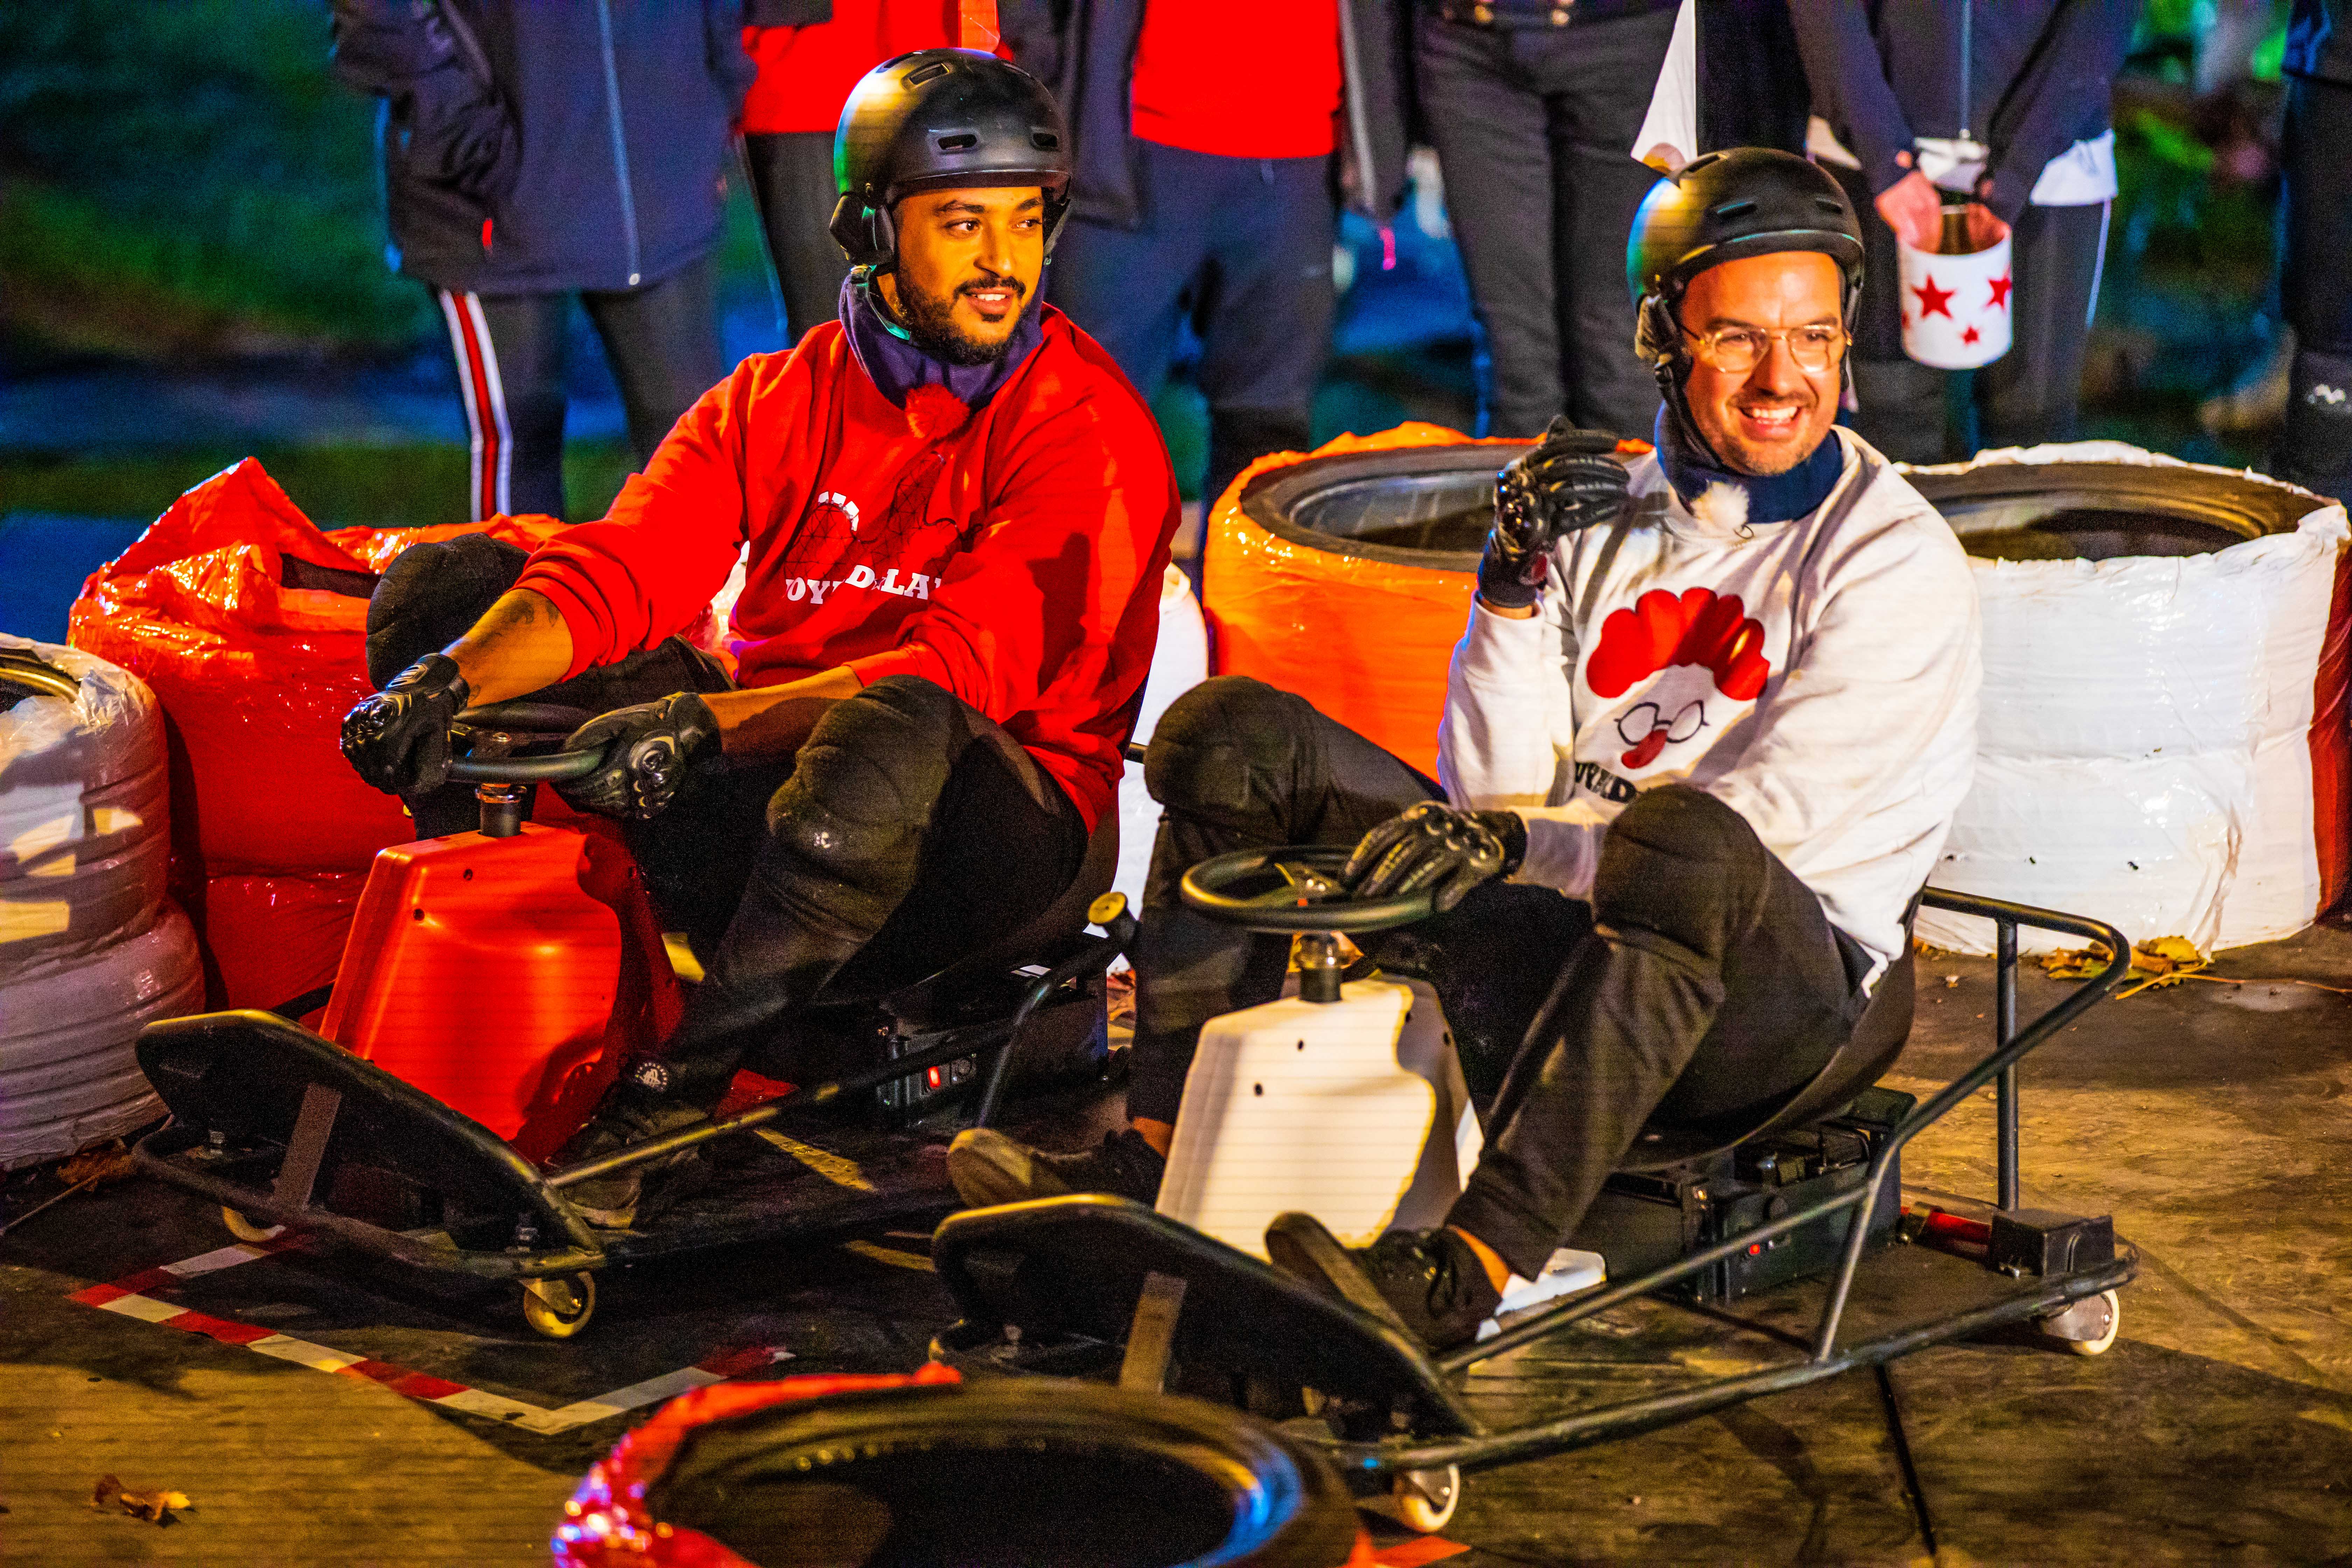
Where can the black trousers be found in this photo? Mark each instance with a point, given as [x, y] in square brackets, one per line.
[909, 831]
[2315, 287]
[662, 342]
[1242, 248]
[1702, 982]
[1533, 130]
[2032, 393]
[793, 186]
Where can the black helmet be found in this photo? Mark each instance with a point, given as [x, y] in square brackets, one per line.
[939, 119]
[1748, 201]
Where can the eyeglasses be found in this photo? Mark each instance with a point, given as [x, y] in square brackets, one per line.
[1736, 350]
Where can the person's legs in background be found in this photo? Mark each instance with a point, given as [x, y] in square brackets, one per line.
[1900, 401]
[1596, 78]
[2315, 450]
[509, 354]
[1128, 288]
[662, 343]
[2032, 392]
[1266, 318]
[793, 186]
[1490, 129]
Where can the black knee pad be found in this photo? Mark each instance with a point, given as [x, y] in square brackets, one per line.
[1215, 740]
[432, 594]
[866, 782]
[1679, 862]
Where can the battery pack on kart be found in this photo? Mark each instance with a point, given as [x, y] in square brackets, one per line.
[1645, 1220]
[1065, 1039]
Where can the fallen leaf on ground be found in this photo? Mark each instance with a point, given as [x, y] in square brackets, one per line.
[110, 1162]
[156, 1506]
[2161, 961]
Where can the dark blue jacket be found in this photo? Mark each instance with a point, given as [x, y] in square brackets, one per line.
[1084, 50]
[539, 146]
[2038, 77]
[2320, 41]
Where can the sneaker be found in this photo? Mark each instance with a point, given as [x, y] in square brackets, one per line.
[988, 1168]
[1426, 1284]
[629, 1114]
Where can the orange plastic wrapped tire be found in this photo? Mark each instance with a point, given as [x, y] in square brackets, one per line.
[249, 623]
[268, 940]
[1363, 628]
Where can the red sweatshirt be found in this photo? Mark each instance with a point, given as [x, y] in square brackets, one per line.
[1013, 556]
[805, 73]
[1241, 78]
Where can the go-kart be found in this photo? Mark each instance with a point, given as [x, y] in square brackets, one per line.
[492, 986]
[1340, 1101]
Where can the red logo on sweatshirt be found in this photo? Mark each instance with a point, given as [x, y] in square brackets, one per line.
[1662, 630]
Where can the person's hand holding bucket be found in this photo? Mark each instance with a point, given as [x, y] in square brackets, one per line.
[1955, 275]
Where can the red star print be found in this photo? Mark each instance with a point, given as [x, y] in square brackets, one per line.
[1999, 290]
[1933, 301]
[1969, 336]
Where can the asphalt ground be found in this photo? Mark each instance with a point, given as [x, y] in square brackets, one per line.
[302, 1401]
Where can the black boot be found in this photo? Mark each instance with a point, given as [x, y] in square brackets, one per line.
[1429, 1285]
[632, 1111]
[989, 1168]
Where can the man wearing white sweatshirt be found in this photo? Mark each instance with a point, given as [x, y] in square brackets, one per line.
[1711, 719]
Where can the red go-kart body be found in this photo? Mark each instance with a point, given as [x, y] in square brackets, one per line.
[506, 978]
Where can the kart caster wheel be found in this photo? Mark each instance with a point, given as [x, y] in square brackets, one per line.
[244, 1229]
[2087, 1327]
[1421, 1501]
[560, 1307]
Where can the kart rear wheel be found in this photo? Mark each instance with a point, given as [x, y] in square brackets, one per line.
[558, 1307]
[1421, 1501]
[2087, 1327]
[244, 1229]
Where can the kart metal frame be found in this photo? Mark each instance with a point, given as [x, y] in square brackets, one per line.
[1059, 1241]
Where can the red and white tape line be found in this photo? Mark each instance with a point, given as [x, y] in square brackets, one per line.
[129, 1297]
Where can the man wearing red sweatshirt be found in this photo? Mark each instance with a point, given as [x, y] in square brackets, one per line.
[957, 513]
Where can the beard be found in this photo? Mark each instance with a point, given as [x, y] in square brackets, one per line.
[929, 320]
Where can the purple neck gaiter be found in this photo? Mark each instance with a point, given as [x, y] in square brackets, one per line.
[898, 366]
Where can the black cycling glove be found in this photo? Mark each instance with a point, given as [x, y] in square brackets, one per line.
[398, 740]
[1566, 481]
[647, 750]
[1432, 845]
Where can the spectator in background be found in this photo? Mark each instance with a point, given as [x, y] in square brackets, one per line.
[1214, 139]
[810, 53]
[537, 151]
[2005, 105]
[2317, 449]
[1533, 106]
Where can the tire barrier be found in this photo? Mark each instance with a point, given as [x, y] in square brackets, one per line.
[84, 817]
[2163, 737]
[67, 1077]
[90, 949]
[268, 940]
[1345, 574]
[881, 1472]
[1179, 663]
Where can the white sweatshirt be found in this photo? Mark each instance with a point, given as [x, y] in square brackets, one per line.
[1819, 676]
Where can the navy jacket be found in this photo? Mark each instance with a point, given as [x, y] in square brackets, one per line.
[2320, 41]
[2039, 78]
[1085, 51]
[538, 146]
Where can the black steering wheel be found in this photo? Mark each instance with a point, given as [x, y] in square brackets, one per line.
[502, 725]
[1310, 898]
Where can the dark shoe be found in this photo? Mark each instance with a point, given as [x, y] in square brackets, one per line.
[1427, 1284]
[988, 1168]
[630, 1115]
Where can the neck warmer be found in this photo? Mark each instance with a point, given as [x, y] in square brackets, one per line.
[900, 368]
[1781, 497]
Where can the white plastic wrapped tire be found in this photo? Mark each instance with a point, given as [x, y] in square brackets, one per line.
[1179, 663]
[84, 839]
[68, 1074]
[2162, 738]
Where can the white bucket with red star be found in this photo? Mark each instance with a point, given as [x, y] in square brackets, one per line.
[1955, 308]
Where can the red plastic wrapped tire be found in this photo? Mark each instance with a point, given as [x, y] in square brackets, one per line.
[869, 1472]
[269, 940]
